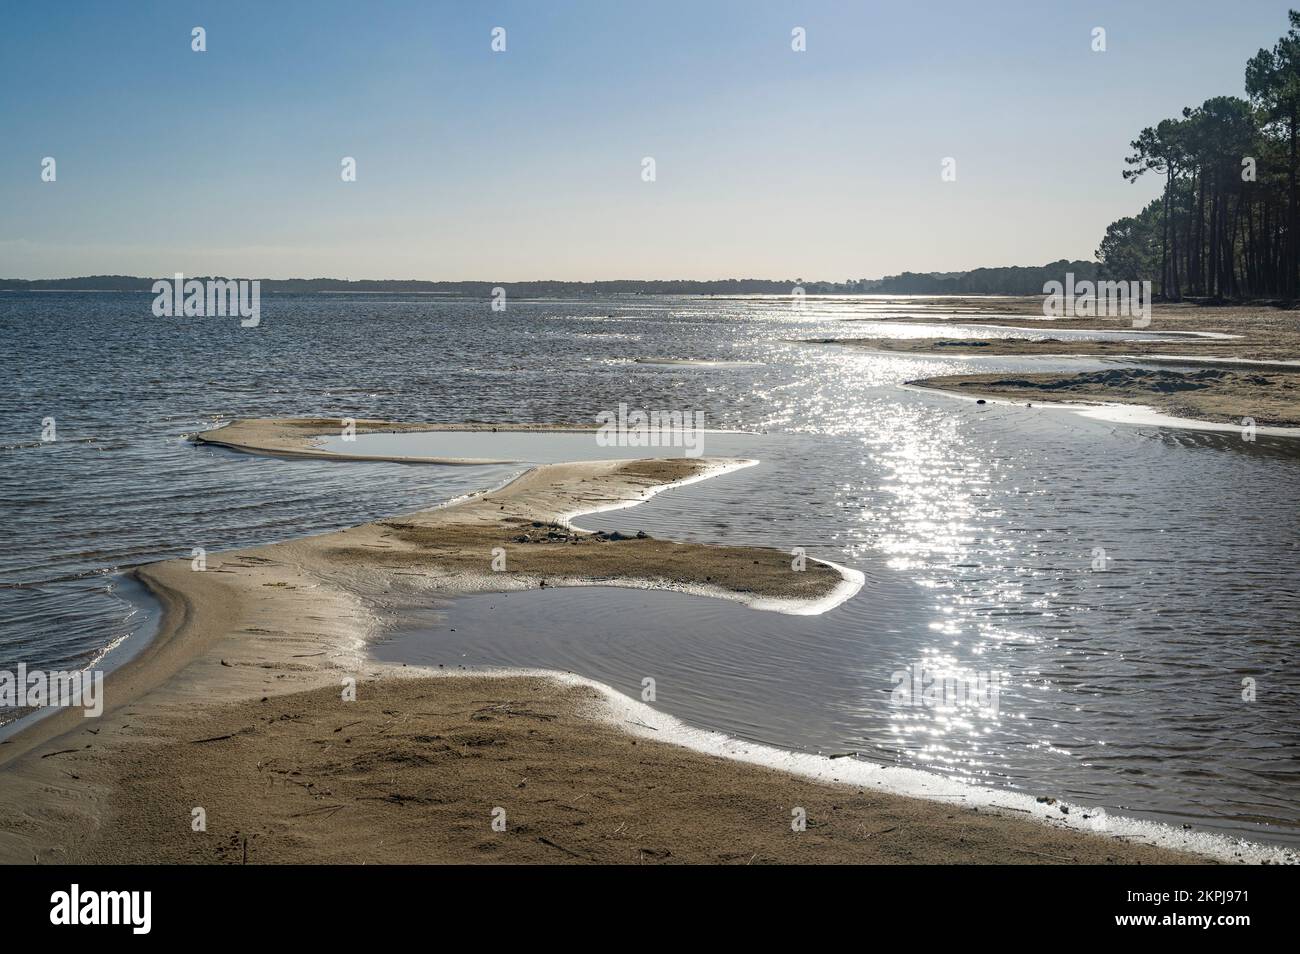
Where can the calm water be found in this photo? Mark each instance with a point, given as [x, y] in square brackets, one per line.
[976, 527]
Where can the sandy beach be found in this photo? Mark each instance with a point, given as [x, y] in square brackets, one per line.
[237, 708]
[412, 771]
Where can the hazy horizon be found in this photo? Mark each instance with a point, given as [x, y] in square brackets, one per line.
[474, 165]
[807, 279]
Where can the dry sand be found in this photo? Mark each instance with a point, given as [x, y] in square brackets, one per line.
[236, 708]
[413, 770]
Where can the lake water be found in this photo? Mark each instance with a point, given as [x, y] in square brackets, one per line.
[977, 527]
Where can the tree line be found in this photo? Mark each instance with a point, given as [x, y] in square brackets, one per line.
[1012, 280]
[1225, 225]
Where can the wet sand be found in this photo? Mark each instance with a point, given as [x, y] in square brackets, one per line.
[1219, 395]
[1044, 347]
[1257, 332]
[1252, 374]
[237, 708]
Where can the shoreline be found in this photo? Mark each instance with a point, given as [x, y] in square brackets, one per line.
[1115, 412]
[1249, 371]
[1125, 396]
[276, 628]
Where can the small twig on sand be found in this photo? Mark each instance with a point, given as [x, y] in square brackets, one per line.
[574, 854]
[326, 810]
[1043, 854]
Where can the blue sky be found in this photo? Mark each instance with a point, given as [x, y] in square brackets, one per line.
[527, 164]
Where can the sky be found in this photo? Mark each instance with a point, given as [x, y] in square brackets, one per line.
[527, 164]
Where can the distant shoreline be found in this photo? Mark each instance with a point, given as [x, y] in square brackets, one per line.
[1011, 280]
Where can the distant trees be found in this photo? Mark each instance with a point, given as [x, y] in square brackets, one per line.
[1015, 280]
[1225, 225]
[1011, 280]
